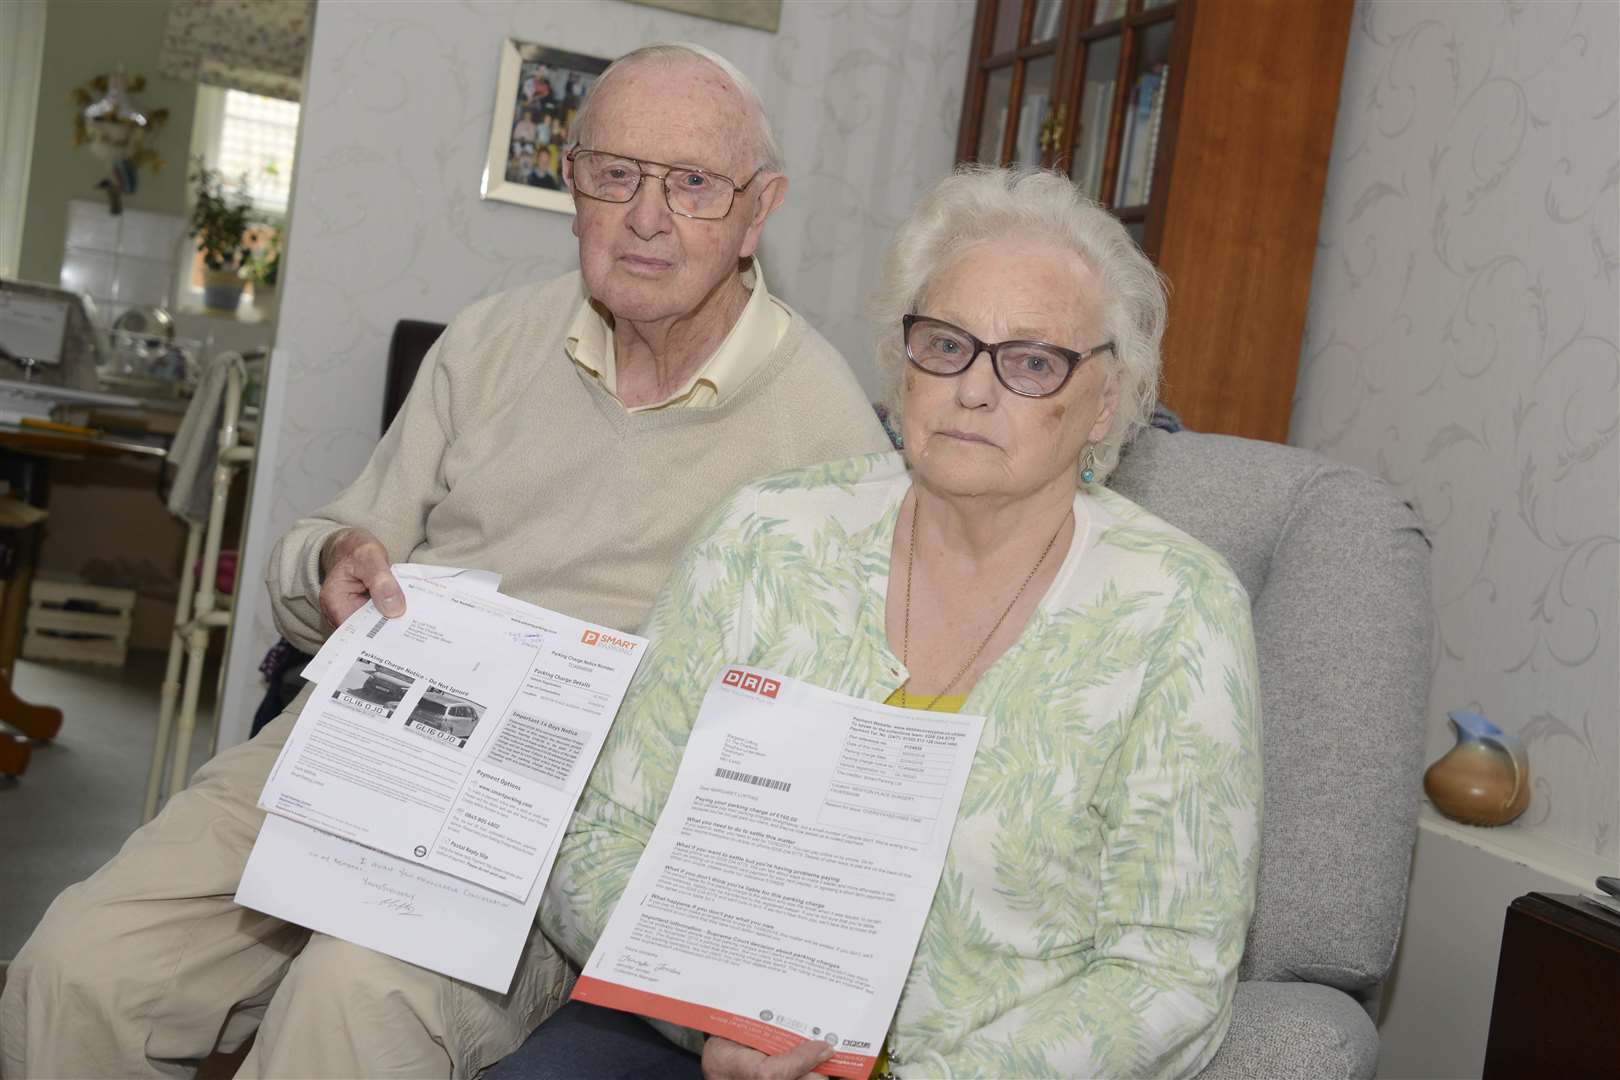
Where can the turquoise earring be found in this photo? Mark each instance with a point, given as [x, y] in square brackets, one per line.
[1088, 466]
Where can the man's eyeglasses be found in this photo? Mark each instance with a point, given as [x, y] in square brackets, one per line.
[1027, 368]
[693, 193]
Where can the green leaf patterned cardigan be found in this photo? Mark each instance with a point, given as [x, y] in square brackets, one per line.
[1095, 898]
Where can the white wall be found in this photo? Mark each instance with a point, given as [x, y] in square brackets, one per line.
[22, 51]
[1461, 343]
[386, 222]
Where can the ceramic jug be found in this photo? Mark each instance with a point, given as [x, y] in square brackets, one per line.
[1484, 779]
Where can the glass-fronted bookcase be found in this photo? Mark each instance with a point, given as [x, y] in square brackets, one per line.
[1205, 126]
[1083, 86]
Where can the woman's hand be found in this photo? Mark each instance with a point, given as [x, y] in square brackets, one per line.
[354, 569]
[726, 1060]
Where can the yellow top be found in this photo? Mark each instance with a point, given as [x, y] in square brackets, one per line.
[946, 702]
[752, 339]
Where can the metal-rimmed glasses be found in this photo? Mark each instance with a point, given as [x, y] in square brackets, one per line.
[689, 192]
[1027, 368]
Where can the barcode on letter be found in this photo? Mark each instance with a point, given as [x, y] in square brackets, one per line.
[375, 630]
[750, 778]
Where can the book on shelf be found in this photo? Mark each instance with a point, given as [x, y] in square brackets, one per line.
[1130, 187]
[1155, 122]
[1108, 11]
[1047, 18]
[993, 157]
[1094, 137]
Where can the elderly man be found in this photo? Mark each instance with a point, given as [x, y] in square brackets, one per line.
[570, 435]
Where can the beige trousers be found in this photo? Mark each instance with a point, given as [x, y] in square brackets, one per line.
[149, 966]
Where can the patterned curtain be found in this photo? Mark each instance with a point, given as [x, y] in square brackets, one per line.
[254, 45]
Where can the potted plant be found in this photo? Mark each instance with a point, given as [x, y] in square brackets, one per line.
[264, 270]
[219, 222]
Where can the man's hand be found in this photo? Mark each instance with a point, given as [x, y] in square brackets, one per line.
[354, 569]
[726, 1060]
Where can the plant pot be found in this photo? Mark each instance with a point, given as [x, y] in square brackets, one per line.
[222, 289]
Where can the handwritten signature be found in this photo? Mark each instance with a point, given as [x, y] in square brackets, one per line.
[398, 906]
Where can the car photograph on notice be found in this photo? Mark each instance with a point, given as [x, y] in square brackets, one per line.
[373, 688]
[383, 686]
[449, 717]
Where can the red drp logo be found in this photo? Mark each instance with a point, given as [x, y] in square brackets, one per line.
[754, 684]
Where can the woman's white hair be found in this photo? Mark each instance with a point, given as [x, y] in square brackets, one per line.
[978, 204]
[767, 149]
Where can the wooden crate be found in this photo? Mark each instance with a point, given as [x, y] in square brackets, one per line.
[68, 620]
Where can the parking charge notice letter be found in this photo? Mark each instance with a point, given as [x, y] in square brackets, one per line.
[784, 889]
[455, 736]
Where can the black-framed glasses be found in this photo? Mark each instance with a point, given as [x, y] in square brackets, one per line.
[693, 193]
[1027, 368]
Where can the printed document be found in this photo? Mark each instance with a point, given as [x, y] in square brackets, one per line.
[483, 581]
[449, 736]
[424, 917]
[784, 889]
[399, 906]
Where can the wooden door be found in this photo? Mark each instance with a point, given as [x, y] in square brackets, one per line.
[1241, 213]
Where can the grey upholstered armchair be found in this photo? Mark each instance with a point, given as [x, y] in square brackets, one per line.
[1337, 570]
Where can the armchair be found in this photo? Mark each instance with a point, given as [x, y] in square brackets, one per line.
[1337, 570]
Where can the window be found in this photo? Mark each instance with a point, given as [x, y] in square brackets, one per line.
[239, 133]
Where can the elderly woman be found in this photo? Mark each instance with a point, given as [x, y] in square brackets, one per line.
[1092, 909]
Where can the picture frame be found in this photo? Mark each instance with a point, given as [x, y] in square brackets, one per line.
[760, 14]
[537, 97]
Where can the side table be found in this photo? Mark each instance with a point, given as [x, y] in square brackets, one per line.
[1557, 991]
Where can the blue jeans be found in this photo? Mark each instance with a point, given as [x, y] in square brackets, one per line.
[588, 1042]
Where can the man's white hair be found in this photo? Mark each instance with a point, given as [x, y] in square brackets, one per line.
[977, 204]
[767, 150]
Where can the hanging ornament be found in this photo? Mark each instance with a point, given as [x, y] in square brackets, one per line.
[116, 132]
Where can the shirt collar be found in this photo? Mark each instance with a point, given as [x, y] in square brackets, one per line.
[752, 338]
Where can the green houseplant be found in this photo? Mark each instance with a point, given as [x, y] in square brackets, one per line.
[220, 221]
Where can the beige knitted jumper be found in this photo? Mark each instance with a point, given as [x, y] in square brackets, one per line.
[507, 457]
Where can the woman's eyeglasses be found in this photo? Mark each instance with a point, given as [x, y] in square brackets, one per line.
[1027, 368]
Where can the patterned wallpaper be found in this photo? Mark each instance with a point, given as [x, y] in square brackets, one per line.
[387, 223]
[1462, 343]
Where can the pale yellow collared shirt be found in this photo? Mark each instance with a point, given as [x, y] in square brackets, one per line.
[752, 339]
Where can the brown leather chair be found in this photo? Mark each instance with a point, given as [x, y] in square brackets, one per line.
[410, 343]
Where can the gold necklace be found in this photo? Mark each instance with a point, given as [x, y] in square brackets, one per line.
[905, 636]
